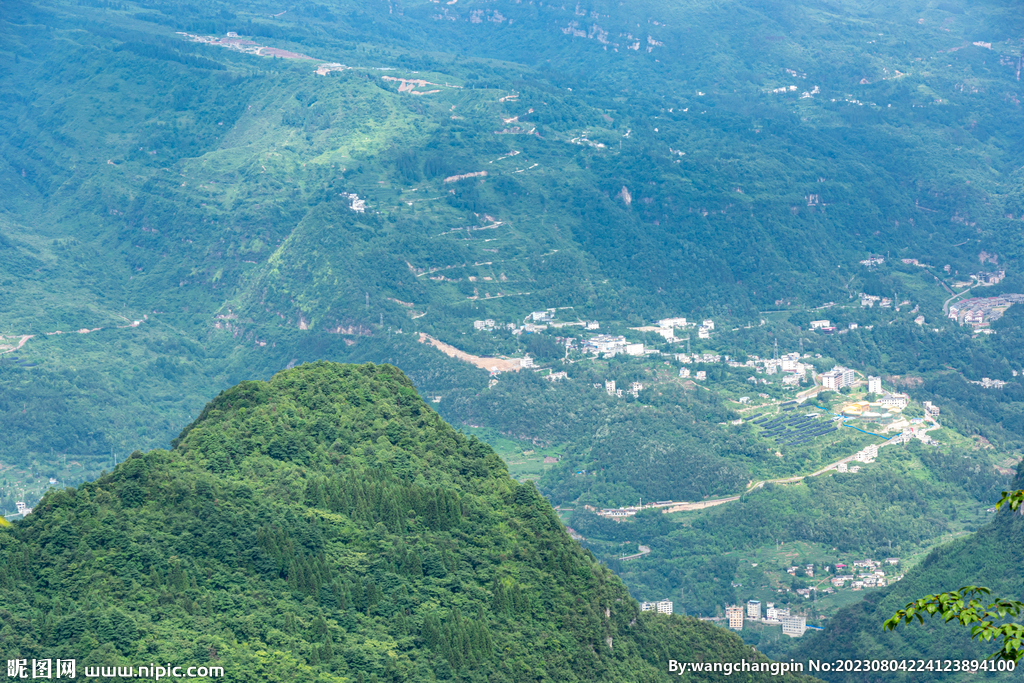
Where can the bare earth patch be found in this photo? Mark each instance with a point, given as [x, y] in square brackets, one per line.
[489, 364]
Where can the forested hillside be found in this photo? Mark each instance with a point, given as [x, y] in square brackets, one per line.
[646, 158]
[990, 558]
[328, 526]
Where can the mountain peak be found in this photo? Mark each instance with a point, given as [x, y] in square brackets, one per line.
[327, 525]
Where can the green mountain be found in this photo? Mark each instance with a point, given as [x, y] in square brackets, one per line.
[184, 210]
[328, 526]
[992, 558]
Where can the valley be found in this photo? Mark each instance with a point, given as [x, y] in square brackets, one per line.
[735, 282]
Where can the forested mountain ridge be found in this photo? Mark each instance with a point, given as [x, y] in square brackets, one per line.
[992, 558]
[327, 525]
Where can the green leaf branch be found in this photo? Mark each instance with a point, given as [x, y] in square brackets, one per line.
[1012, 499]
[964, 606]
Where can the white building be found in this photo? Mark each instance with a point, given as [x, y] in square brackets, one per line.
[874, 385]
[709, 324]
[684, 372]
[794, 627]
[754, 609]
[776, 613]
[790, 364]
[609, 386]
[701, 375]
[635, 349]
[867, 454]
[703, 333]
[672, 322]
[819, 324]
[22, 508]
[894, 400]
[526, 362]
[735, 617]
[593, 325]
[837, 378]
[605, 343]
[483, 324]
[661, 607]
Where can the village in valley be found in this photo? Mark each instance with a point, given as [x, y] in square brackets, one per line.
[792, 399]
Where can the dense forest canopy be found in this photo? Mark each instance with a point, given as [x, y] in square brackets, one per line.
[328, 526]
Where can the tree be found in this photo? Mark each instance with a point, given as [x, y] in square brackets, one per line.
[963, 606]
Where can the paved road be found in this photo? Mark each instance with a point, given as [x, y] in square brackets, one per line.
[945, 305]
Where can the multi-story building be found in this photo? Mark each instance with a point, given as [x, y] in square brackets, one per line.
[793, 626]
[837, 378]
[753, 609]
[661, 607]
[735, 616]
[776, 613]
[874, 385]
[609, 386]
[605, 343]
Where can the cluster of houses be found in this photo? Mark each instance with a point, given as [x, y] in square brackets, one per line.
[980, 313]
[789, 365]
[871, 574]
[982, 279]
[869, 301]
[668, 326]
[793, 625]
[610, 345]
[609, 386]
[988, 383]
[536, 321]
[606, 344]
